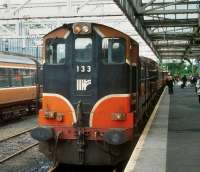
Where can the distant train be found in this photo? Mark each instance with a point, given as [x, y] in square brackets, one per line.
[97, 91]
[17, 85]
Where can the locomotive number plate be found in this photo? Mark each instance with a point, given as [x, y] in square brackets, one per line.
[83, 68]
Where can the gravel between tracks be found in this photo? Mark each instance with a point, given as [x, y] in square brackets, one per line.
[15, 144]
[17, 127]
[29, 161]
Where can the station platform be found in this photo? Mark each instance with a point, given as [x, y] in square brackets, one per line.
[170, 141]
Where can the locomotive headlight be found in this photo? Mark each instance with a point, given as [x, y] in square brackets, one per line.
[77, 29]
[85, 29]
[82, 28]
[118, 116]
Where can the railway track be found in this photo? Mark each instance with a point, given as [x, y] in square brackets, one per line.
[15, 135]
[15, 145]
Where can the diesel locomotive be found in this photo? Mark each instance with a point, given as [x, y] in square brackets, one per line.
[17, 86]
[96, 92]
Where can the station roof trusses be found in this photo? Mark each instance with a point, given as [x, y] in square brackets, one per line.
[34, 18]
[170, 27]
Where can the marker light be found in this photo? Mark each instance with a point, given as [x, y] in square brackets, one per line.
[54, 115]
[50, 115]
[118, 116]
[59, 117]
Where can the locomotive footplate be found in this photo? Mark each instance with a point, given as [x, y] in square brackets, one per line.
[115, 136]
[77, 145]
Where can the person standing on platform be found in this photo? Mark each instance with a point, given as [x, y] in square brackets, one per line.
[184, 80]
[194, 82]
[198, 88]
[170, 84]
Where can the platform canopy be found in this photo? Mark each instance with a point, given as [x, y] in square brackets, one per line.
[165, 29]
[170, 27]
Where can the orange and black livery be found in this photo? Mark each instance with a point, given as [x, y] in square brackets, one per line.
[96, 91]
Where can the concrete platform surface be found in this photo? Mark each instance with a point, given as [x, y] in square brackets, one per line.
[172, 143]
[183, 146]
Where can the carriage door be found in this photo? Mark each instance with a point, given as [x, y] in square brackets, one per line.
[84, 73]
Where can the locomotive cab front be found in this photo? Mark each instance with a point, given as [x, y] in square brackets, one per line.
[87, 101]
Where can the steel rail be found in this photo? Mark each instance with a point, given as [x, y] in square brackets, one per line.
[22, 132]
[18, 152]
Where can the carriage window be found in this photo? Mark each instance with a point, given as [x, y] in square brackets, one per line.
[16, 77]
[28, 77]
[4, 78]
[33, 76]
[55, 51]
[83, 49]
[113, 51]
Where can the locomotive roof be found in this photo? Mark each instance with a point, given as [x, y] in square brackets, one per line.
[13, 58]
[69, 26]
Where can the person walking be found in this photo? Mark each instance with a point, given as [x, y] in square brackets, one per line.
[170, 84]
[198, 88]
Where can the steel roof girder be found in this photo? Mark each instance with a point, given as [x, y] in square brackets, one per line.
[179, 57]
[148, 4]
[178, 53]
[175, 46]
[164, 5]
[172, 53]
[171, 23]
[186, 55]
[180, 3]
[173, 33]
[171, 50]
[179, 49]
[177, 38]
[131, 9]
[174, 36]
[177, 11]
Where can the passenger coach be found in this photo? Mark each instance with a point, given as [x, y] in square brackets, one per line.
[17, 85]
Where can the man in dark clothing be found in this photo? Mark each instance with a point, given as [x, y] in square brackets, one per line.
[170, 84]
[184, 80]
[198, 88]
[194, 82]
